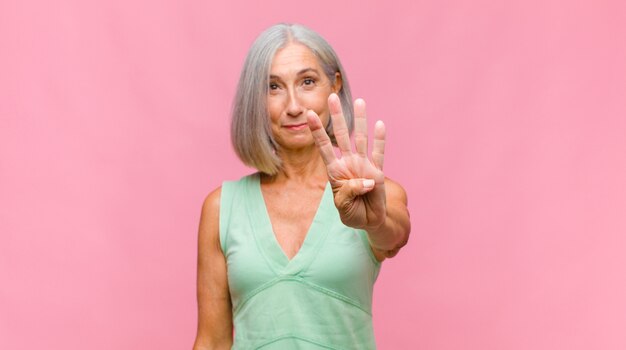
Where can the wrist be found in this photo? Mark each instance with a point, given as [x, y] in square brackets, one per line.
[376, 228]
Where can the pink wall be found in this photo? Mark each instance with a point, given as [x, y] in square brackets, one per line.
[506, 124]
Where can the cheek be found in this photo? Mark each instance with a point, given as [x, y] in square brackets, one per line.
[318, 103]
[321, 108]
[273, 109]
[324, 118]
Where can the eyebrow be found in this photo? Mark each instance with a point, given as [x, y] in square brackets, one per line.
[302, 71]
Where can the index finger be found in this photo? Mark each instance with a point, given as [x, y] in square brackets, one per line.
[322, 140]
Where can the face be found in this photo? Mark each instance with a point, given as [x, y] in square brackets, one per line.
[297, 84]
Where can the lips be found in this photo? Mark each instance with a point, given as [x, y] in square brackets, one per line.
[296, 126]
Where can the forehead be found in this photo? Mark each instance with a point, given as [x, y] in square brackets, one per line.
[293, 58]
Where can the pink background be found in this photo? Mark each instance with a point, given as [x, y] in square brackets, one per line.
[506, 124]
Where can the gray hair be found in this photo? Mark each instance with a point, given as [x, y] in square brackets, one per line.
[251, 134]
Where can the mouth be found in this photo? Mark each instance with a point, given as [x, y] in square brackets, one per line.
[300, 126]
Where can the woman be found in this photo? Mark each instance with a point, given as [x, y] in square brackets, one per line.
[289, 255]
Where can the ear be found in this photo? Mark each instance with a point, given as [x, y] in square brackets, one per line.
[338, 84]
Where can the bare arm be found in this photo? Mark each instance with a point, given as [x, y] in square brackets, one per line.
[393, 234]
[364, 197]
[215, 329]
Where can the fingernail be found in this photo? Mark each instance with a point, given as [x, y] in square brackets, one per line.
[368, 183]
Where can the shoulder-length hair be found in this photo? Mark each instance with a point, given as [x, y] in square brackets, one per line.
[251, 135]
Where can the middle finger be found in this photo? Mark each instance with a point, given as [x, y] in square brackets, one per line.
[340, 130]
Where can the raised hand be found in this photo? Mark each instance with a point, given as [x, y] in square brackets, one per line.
[357, 181]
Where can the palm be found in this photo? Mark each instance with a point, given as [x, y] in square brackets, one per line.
[360, 209]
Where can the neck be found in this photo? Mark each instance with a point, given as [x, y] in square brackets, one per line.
[301, 166]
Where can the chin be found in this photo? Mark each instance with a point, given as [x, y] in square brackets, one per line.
[297, 144]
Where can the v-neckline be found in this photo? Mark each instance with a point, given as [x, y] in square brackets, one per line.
[266, 237]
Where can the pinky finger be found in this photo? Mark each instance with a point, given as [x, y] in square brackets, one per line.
[378, 151]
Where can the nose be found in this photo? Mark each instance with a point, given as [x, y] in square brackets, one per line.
[294, 107]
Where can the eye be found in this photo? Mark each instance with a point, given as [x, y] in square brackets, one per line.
[273, 86]
[308, 81]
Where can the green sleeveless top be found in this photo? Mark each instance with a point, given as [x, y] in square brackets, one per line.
[320, 299]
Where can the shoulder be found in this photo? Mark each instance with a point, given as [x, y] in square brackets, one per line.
[228, 190]
[211, 202]
[213, 199]
[208, 233]
[395, 191]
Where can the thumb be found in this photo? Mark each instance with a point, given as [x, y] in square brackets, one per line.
[353, 188]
